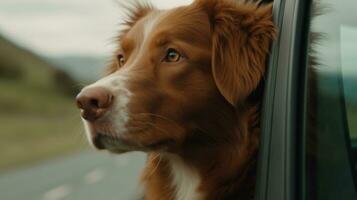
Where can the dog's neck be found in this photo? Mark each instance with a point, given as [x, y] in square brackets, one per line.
[223, 170]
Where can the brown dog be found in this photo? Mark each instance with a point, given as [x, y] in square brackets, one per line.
[183, 87]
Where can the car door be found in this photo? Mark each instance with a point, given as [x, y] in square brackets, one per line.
[309, 111]
[277, 177]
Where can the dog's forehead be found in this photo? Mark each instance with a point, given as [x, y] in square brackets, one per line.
[146, 24]
[142, 29]
[183, 23]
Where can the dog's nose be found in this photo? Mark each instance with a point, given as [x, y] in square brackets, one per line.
[94, 102]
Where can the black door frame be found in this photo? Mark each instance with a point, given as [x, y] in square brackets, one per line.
[277, 171]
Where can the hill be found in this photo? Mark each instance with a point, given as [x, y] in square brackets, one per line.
[82, 68]
[38, 118]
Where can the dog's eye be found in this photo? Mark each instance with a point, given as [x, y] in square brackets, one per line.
[120, 60]
[172, 55]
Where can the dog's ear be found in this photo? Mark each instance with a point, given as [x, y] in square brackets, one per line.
[241, 37]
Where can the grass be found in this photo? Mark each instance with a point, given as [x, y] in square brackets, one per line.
[36, 124]
[38, 119]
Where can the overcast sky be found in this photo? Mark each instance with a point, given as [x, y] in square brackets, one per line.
[65, 27]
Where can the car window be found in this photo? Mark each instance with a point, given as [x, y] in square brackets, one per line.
[330, 169]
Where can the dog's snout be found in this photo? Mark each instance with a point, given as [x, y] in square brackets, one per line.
[94, 102]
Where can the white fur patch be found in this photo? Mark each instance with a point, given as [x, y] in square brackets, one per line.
[87, 131]
[150, 24]
[119, 115]
[185, 180]
[116, 83]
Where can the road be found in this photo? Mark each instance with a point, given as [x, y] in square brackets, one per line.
[84, 176]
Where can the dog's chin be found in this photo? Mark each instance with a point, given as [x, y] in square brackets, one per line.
[118, 145]
[102, 141]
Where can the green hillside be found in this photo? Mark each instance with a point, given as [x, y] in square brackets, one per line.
[38, 118]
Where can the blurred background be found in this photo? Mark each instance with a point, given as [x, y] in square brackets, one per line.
[49, 49]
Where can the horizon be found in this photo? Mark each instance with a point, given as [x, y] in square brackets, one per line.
[65, 28]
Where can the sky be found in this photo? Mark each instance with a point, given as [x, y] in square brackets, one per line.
[66, 27]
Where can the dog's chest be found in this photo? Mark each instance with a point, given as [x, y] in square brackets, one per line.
[185, 181]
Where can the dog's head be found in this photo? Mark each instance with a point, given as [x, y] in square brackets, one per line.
[178, 75]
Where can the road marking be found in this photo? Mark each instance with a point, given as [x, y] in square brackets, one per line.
[94, 176]
[57, 193]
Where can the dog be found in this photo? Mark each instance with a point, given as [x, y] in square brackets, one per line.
[185, 86]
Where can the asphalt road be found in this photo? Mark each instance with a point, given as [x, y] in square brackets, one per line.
[84, 176]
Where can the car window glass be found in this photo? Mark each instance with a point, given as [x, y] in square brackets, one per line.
[349, 72]
[332, 103]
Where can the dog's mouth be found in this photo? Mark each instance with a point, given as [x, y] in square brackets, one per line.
[141, 138]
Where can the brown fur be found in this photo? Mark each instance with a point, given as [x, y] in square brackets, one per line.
[241, 37]
[199, 109]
